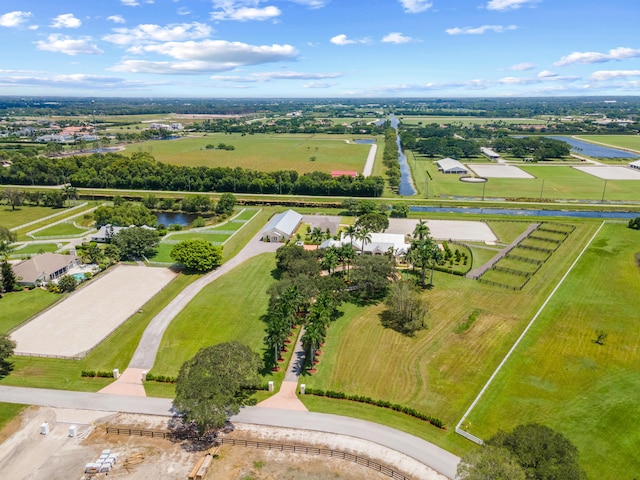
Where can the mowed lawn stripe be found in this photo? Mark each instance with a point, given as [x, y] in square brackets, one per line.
[560, 377]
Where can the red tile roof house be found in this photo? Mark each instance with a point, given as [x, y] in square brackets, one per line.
[43, 268]
[340, 173]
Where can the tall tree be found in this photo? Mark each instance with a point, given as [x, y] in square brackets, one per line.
[13, 196]
[136, 242]
[215, 383]
[543, 453]
[406, 309]
[363, 234]
[226, 204]
[198, 255]
[8, 276]
[7, 237]
[330, 261]
[424, 252]
[374, 222]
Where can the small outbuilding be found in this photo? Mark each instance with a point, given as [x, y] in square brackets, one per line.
[635, 164]
[282, 226]
[44, 267]
[487, 152]
[450, 165]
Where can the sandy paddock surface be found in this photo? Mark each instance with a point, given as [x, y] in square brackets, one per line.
[499, 171]
[28, 455]
[461, 230]
[86, 317]
[611, 172]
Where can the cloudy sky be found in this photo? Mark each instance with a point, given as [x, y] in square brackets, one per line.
[319, 48]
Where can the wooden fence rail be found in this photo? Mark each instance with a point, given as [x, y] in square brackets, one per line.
[305, 449]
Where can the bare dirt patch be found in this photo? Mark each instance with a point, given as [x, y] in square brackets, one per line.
[26, 454]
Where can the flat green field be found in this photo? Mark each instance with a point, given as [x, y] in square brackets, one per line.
[36, 248]
[560, 182]
[25, 214]
[303, 153]
[18, 307]
[560, 377]
[629, 142]
[61, 229]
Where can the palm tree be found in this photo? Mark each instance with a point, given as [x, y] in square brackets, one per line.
[330, 260]
[347, 254]
[277, 333]
[421, 231]
[316, 235]
[70, 192]
[350, 232]
[311, 340]
[364, 235]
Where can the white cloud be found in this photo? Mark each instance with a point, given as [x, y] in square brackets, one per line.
[73, 82]
[183, 11]
[342, 40]
[502, 5]
[416, 6]
[396, 37]
[66, 20]
[603, 75]
[116, 19]
[319, 85]
[205, 56]
[547, 74]
[521, 67]
[270, 76]
[620, 53]
[150, 33]
[130, 3]
[14, 19]
[68, 45]
[244, 14]
[480, 30]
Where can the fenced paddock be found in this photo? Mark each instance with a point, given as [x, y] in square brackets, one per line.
[89, 315]
[499, 171]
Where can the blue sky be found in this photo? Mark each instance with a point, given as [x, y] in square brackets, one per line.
[319, 48]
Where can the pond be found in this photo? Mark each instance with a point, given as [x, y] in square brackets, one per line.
[523, 212]
[364, 141]
[591, 150]
[176, 218]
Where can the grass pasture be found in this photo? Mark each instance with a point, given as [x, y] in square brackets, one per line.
[61, 230]
[560, 377]
[302, 153]
[21, 215]
[18, 307]
[34, 248]
[464, 120]
[438, 371]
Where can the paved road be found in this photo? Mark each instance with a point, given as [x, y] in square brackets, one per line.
[145, 355]
[422, 451]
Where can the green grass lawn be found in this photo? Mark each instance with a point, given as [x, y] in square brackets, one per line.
[33, 248]
[261, 152]
[208, 235]
[227, 309]
[18, 307]
[426, 120]
[24, 214]
[560, 182]
[508, 231]
[629, 142]
[61, 229]
[437, 371]
[560, 377]
[8, 411]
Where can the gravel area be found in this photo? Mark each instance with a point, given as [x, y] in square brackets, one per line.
[611, 172]
[499, 171]
[461, 230]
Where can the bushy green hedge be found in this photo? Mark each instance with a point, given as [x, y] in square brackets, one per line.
[160, 378]
[99, 373]
[436, 422]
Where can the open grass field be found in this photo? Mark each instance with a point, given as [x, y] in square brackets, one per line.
[228, 309]
[426, 120]
[18, 307]
[24, 214]
[438, 371]
[550, 182]
[34, 248]
[560, 377]
[628, 142]
[303, 153]
[60, 230]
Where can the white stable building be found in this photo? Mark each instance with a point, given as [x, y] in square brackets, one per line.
[450, 165]
[487, 152]
[282, 227]
[635, 164]
[381, 243]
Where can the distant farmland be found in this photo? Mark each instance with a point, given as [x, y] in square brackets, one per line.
[303, 153]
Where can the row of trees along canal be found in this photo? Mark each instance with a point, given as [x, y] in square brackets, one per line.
[142, 172]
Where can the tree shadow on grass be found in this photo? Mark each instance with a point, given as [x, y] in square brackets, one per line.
[5, 368]
[388, 320]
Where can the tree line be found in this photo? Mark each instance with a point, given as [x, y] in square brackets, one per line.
[142, 172]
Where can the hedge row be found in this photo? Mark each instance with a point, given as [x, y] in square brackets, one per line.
[99, 373]
[160, 378]
[436, 422]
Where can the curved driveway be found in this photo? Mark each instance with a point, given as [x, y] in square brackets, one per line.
[422, 451]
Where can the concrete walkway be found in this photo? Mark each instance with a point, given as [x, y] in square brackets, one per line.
[286, 398]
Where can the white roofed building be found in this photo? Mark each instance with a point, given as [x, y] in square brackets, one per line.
[635, 164]
[487, 152]
[449, 165]
[282, 226]
[380, 244]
